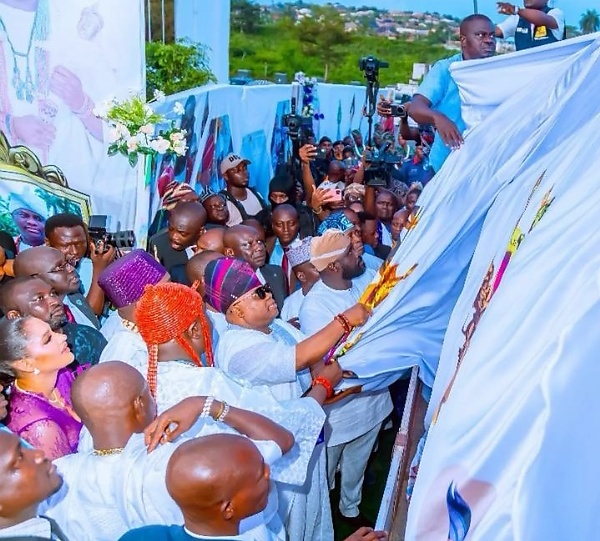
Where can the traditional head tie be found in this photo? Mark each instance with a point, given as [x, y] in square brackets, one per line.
[173, 193]
[226, 280]
[163, 313]
[207, 193]
[336, 220]
[124, 280]
[298, 252]
[328, 248]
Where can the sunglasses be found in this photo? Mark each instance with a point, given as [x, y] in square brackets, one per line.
[262, 291]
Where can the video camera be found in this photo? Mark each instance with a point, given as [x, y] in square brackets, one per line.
[370, 65]
[299, 128]
[101, 236]
[377, 173]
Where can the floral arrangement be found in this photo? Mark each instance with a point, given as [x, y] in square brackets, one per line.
[309, 85]
[132, 128]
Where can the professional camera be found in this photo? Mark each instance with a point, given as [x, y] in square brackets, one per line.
[370, 65]
[299, 128]
[380, 164]
[99, 235]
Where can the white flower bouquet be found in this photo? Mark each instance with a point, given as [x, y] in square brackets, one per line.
[132, 128]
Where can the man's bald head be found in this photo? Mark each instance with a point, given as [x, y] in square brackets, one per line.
[186, 224]
[196, 266]
[218, 480]
[113, 397]
[51, 266]
[245, 242]
[212, 239]
[34, 260]
[285, 223]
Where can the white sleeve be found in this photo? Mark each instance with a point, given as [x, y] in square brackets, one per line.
[270, 451]
[509, 26]
[559, 17]
[314, 316]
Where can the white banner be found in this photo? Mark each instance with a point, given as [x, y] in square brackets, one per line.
[518, 368]
[58, 58]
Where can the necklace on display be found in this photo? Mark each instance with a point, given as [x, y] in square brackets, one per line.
[25, 87]
[109, 452]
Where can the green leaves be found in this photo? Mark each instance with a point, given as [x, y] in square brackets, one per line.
[173, 67]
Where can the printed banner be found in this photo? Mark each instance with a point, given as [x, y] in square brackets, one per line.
[518, 370]
[58, 60]
[248, 120]
[410, 319]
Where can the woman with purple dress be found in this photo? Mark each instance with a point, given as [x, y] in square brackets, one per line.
[33, 361]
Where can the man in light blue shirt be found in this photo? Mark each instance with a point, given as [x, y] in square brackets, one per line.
[437, 101]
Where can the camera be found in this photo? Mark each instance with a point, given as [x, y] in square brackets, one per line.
[398, 110]
[380, 163]
[370, 65]
[100, 235]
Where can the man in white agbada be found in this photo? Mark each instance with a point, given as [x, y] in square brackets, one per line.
[271, 356]
[194, 270]
[29, 213]
[348, 222]
[119, 485]
[353, 423]
[298, 254]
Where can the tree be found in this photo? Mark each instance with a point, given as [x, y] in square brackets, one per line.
[245, 16]
[173, 67]
[590, 22]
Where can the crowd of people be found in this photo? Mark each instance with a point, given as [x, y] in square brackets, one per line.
[188, 391]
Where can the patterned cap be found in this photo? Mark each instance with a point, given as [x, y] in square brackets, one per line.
[207, 193]
[174, 191]
[124, 280]
[298, 252]
[328, 248]
[226, 280]
[336, 220]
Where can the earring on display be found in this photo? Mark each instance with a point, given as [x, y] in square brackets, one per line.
[36, 371]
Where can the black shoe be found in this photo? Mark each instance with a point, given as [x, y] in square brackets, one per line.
[356, 522]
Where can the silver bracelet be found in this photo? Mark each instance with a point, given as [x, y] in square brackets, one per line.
[86, 108]
[207, 404]
[224, 413]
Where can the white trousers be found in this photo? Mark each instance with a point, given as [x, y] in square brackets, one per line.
[352, 458]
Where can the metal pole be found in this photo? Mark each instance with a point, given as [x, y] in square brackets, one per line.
[149, 15]
[162, 9]
[475, 10]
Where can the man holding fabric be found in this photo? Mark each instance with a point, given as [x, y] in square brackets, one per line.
[533, 25]
[437, 101]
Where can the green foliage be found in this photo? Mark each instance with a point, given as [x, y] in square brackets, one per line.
[245, 16]
[173, 67]
[590, 22]
[320, 47]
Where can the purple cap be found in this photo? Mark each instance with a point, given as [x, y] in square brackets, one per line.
[124, 280]
[226, 280]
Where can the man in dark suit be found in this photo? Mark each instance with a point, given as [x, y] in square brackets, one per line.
[176, 245]
[245, 242]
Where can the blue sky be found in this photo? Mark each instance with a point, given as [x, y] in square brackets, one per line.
[460, 8]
